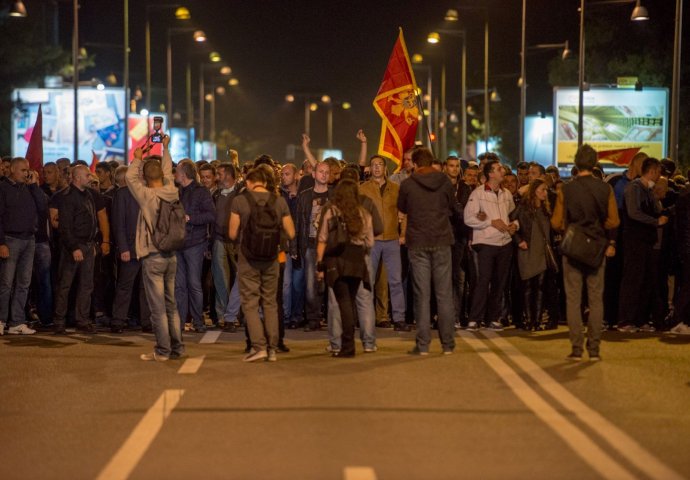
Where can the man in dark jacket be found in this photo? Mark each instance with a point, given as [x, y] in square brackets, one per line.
[428, 199]
[198, 205]
[22, 203]
[681, 300]
[125, 217]
[78, 225]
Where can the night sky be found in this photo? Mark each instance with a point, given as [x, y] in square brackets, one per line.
[340, 48]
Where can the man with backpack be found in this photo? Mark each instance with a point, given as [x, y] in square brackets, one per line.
[257, 218]
[160, 231]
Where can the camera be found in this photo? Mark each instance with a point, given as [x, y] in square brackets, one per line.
[157, 136]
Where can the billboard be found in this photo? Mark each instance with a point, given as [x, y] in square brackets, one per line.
[613, 119]
[539, 140]
[100, 122]
[181, 141]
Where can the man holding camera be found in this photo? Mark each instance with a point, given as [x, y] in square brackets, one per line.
[21, 203]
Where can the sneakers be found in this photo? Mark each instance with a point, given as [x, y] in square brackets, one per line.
[330, 349]
[647, 328]
[371, 349]
[22, 329]
[282, 348]
[473, 326]
[628, 329]
[255, 355]
[153, 357]
[574, 357]
[417, 351]
[448, 352]
[594, 357]
[384, 324]
[402, 327]
[681, 329]
[272, 357]
[495, 326]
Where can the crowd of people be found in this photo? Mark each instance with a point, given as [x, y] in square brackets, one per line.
[327, 244]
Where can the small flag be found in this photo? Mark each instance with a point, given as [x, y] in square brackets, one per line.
[94, 161]
[396, 104]
[621, 157]
[34, 152]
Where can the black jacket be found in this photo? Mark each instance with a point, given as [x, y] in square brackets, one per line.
[682, 226]
[198, 204]
[125, 218]
[526, 217]
[21, 207]
[77, 221]
[304, 204]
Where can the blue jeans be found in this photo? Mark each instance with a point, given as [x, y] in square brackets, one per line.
[224, 270]
[158, 275]
[188, 293]
[293, 292]
[433, 265]
[44, 283]
[364, 301]
[314, 299]
[15, 270]
[232, 310]
[389, 250]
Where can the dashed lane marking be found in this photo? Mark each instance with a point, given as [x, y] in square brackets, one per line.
[210, 336]
[191, 365]
[130, 453]
[359, 473]
[614, 436]
[575, 438]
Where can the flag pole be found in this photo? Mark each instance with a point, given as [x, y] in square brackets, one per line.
[420, 104]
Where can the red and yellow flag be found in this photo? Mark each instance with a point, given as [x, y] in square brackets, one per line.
[396, 104]
[621, 157]
[34, 152]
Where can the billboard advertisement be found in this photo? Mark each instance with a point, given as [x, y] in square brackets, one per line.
[539, 140]
[100, 122]
[614, 119]
[181, 141]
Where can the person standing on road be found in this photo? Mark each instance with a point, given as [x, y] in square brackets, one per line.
[150, 183]
[22, 203]
[428, 199]
[590, 204]
[258, 279]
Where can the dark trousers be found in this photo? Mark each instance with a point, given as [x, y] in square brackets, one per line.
[493, 265]
[69, 269]
[457, 255]
[635, 290]
[681, 300]
[104, 284]
[345, 290]
[128, 282]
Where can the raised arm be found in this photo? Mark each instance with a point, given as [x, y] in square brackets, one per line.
[307, 151]
[362, 148]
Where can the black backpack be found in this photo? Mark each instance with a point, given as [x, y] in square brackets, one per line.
[169, 232]
[261, 235]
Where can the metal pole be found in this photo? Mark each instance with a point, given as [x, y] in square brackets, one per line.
[675, 88]
[168, 107]
[213, 116]
[126, 83]
[190, 107]
[75, 77]
[487, 113]
[329, 125]
[523, 83]
[435, 149]
[444, 114]
[306, 115]
[463, 94]
[147, 30]
[429, 92]
[581, 78]
[202, 106]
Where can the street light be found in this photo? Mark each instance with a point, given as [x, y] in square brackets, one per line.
[214, 57]
[180, 15]
[639, 13]
[434, 38]
[452, 16]
[18, 10]
[233, 82]
[171, 32]
[225, 70]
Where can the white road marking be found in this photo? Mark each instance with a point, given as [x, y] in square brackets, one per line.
[210, 336]
[578, 441]
[359, 473]
[191, 365]
[614, 436]
[130, 453]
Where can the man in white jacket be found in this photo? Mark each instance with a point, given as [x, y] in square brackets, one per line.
[487, 212]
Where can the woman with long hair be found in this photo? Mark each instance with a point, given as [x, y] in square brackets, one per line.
[340, 259]
[533, 241]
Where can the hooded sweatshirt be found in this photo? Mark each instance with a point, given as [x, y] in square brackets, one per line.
[428, 199]
[149, 200]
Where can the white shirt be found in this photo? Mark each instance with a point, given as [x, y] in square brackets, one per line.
[496, 205]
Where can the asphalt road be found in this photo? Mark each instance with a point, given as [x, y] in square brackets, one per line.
[505, 405]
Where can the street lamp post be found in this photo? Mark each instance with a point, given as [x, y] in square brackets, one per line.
[639, 13]
[75, 76]
[224, 70]
[199, 37]
[675, 87]
[417, 60]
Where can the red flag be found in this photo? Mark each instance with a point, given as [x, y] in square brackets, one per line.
[94, 161]
[396, 104]
[34, 152]
[620, 157]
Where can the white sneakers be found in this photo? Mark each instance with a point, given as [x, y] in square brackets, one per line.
[681, 329]
[22, 329]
